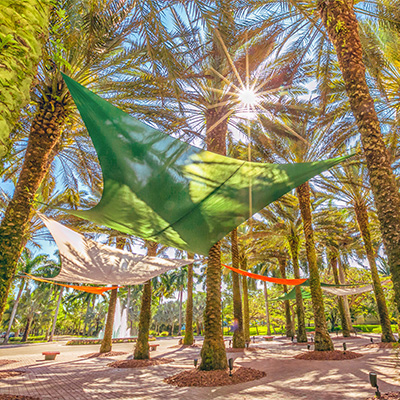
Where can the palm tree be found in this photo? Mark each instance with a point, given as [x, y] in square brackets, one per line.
[23, 35]
[188, 339]
[348, 183]
[339, 20]
[238, 334]
[27, 265]
[142, 343]
[90, 58]
[106, 343]
[283, 222]
[319, 141]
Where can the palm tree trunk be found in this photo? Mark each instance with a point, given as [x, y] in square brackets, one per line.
[246, 312]
[180, 310]
[28, 22]
[27, 329]
[106, 343]
[14, 311]
[56, 314]
[301, 321]
[341, 23]
[267, 308]
[188, 339]
[128, 303]
[345, 327]
[323, 342]
[288, 317]
[363, 223]
[213, 354]
[44, 135]
[142, 343]
[238, 335]
[342, 280]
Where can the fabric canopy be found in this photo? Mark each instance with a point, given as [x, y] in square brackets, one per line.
[292, 295]
[161, 189]
[266, 278]
[351, 291]
[86, 261]
[88, 289]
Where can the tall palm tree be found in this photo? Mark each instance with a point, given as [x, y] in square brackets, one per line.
[339, 21]
[188, 339]
[24, 31]
[89, 57]
[349, 183]
[27, 265]
[142, 343]
[106, 343]
[282, 220]
[238, 334]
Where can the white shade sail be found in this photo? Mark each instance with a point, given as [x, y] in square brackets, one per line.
[351, 291]
[86, 261]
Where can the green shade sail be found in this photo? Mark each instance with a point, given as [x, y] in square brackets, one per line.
[161, 189]
[292, 295]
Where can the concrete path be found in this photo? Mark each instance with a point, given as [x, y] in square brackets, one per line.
[74, 378]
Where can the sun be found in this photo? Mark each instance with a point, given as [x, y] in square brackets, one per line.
[248, 97]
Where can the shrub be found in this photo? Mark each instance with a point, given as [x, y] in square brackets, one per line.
[164, 333]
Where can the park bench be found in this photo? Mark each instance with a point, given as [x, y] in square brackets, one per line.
[153, 347]
[269, 338]
[50, 355]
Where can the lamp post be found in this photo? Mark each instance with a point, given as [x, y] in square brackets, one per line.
[373, 380]
[230, 363]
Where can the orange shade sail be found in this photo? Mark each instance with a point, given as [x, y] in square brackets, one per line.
[88, 289]
[266, 278]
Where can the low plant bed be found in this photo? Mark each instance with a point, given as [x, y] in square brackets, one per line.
[195, 377]
[17, 397]
[387, 396]
[382, 345]
[6, 362]
[140, 363]
[74, 342]
[103, 355]
[8, 373]
[328, 355]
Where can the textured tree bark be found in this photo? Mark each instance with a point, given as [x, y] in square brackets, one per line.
[363, 223]
[14, 311]
[323, 342]
[53, 328]
[106, 343]
[188, 339]
[180, 310]
[246, 313]
[238, 335]
[301, 322]
[342, 280]
[213, 354]
[27, 20]
[142, 344]
[44, 135]
[288, 317]
[27, 329]
[267, 308]
[345, 327]
[341, 23]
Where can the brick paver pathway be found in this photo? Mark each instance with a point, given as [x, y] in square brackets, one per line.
[74, 378]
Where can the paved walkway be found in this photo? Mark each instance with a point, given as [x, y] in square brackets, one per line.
[73, 378]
